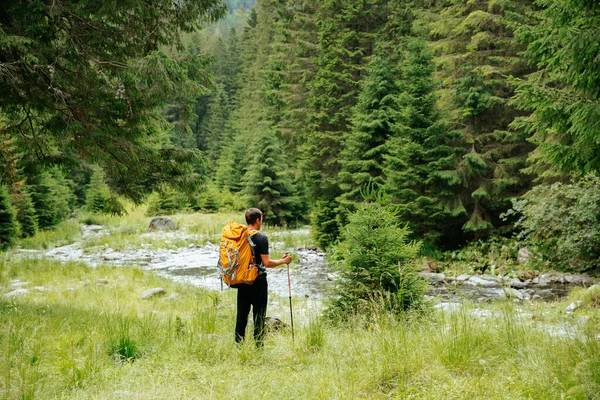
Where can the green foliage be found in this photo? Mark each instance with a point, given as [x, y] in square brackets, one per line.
[266, 182]
[43, 194]
[120, 344]
[26, 215]
[326, 227]
[563, 222]
[85, 80]
[563, 94]
[209, 200]
[376, 269]
[373, 123]
[475, 50]
[166, 202]
[9, 228]
[99, 197]
[420, 151]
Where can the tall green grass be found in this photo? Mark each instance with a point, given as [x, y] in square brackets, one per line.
[79, 339]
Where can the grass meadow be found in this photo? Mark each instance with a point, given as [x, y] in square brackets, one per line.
[84, 332]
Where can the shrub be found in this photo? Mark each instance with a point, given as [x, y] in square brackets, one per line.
[9, 228]
[375, 269]
[563, 222]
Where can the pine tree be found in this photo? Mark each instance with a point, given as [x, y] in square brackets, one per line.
[9, 228]
[374, 121]
[84, 82]
[266, 183]
[375, 270]
[420, 151]
[26, 215]
[475, 50]
[44, 198]
[215, 126]
[347, 32]
[563, 95]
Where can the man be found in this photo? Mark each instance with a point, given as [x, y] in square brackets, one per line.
[256, 294]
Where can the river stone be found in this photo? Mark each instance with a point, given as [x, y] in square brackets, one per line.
[523, 255]
[273, 324]
[448, 307]
[101, 281]
[111, 256]
[16, 292]
[153, 292]
[514, 293]
[480, 281]
[161, 224]
[518, 284]
[463, 278]
[578, 279]
[593, 288]
[18, 285]
[572, 307]
[433, 277]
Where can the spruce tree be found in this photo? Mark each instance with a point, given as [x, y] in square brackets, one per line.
[475, 51]
[374, 121]
[420, 151]
[44, 198]
[9, 228]
[26, 215]
[266, 183]
[563, 95]
[215, 127]
[347, 32]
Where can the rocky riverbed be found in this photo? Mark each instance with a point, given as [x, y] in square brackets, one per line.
[311, 277]
[197, 264]
[546, 286]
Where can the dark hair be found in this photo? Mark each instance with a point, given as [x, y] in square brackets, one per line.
[252, 215]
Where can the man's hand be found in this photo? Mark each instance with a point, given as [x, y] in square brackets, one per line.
[287, 258]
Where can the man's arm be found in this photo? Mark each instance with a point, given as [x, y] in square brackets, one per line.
[267, 262]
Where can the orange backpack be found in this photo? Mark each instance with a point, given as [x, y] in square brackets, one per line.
[236, 261]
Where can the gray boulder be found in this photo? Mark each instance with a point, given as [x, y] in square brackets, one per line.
[161, 224]
[579, 279]
[573, 306]
[153, 292]
[481, 281]
[523, 255]
[433, 277]
[273, 324]
[18, 285]
[16, 292]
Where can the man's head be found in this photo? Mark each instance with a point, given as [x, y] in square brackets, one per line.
[253, 215]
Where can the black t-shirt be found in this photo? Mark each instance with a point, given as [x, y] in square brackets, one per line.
[261, 246]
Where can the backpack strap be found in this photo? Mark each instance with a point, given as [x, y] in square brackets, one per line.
[257, 260]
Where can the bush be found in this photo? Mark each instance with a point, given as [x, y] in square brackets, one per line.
[562, 222]
[375, 267]
[9, 227]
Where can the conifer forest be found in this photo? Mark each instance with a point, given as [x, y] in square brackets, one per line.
[473, 119]
[428, 173]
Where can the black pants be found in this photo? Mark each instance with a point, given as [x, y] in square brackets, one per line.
[255, 295]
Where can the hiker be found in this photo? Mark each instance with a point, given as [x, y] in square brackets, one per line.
[256, 294]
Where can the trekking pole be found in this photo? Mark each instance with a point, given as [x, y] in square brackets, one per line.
[290, 291]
